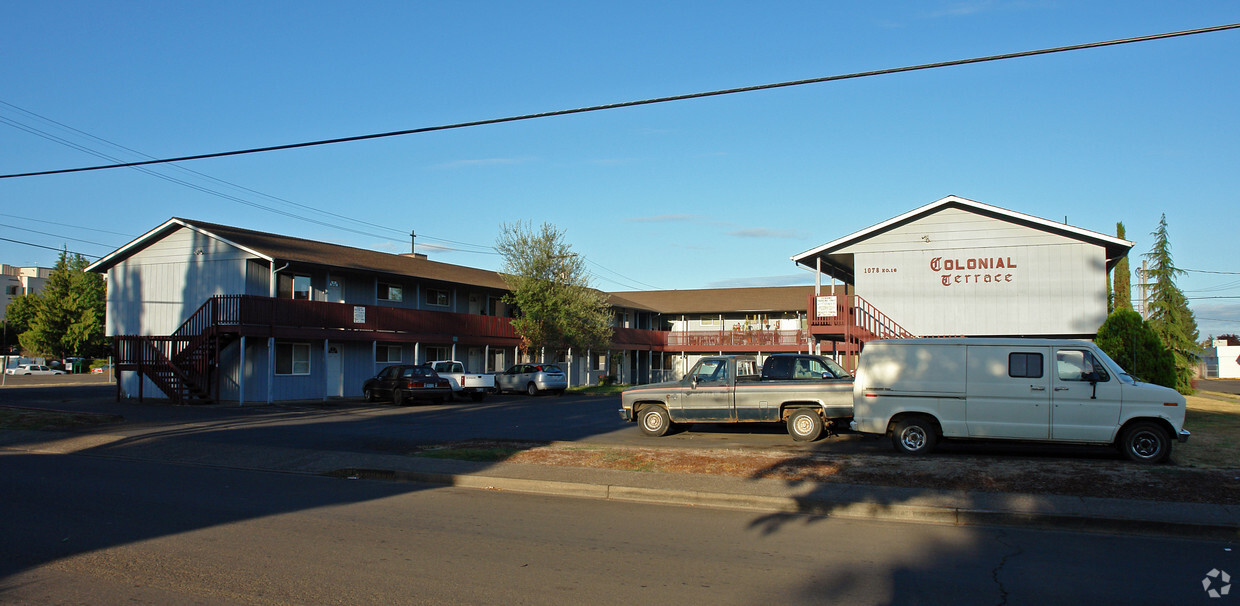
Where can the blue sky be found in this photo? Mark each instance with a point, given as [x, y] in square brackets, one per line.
[693, 194]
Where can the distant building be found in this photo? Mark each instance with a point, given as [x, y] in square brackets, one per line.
[1222, 361]
[18, 281]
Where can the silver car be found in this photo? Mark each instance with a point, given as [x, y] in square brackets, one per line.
[532, 379]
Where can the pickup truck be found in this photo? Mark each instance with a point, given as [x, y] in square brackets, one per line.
[474, 385]
[806, 392]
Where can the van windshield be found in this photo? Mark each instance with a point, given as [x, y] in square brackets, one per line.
[1123, 375]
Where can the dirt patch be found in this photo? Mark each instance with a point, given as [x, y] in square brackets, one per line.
[943, 471]
[16, 417]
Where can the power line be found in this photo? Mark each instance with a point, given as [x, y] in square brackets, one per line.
[104, 231]
[43, 233]
[626, 104]
[50, 248]
[1203, 271]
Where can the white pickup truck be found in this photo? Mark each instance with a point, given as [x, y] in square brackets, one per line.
[474, 385]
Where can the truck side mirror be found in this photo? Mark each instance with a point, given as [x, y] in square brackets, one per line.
[695, 380]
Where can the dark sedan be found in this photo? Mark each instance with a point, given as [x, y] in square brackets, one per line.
[404, 383]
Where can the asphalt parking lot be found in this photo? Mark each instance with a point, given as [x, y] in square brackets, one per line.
[353, 424]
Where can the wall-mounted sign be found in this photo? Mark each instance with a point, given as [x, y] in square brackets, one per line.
[359, 314]
[824, 307]
[977, 270]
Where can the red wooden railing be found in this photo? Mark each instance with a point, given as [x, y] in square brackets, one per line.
[855, 316]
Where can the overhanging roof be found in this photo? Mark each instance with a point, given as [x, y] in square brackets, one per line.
[840, 265]
[277, 248]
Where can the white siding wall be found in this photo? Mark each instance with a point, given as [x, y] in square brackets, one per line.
[156, 289]
[1047, 285]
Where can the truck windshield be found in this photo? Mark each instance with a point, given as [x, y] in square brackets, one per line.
[1122, 374]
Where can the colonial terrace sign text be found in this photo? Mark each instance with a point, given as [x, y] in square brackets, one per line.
[976, 270]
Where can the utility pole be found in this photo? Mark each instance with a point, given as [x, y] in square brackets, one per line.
[1144, 271]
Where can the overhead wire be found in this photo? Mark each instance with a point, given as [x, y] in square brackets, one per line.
[626, 104]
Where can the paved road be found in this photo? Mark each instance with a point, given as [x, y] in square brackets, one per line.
[353, 425]
[94, 530]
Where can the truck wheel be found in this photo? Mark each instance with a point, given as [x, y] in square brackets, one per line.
[804, 425]
[477, 396]
[1145, 443]
[398, 397]
[914, 435]
[654, 421]
[368, 395]
[531, 389]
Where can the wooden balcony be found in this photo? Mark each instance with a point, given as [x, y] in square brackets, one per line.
[297, 319]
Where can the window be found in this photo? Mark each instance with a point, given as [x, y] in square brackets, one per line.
[437, 353]
[1025, 365]
[712, 370]
[435, 296]
[390, 292]
[389, 354]
[1078, 365]
[11, 290]
[292, 358]
[711, 321]
[301, 287]
[293, 286]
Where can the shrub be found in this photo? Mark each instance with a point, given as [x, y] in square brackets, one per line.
[1129, 340]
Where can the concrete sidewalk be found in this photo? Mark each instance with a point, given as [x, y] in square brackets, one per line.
[774, 497]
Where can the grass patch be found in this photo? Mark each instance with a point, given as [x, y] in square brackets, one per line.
[479, 455]
[598, 390]
[1215, 424]
[31, 418]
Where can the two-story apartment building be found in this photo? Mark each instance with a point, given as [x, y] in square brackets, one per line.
[208, 311]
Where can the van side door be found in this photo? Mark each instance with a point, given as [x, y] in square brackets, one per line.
[1007, 392]
[708, 398]
[1086, 398]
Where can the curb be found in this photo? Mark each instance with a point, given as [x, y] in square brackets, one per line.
[918, 514]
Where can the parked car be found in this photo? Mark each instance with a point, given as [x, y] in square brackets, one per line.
[532, 379]
[32, 369]
[405, 382]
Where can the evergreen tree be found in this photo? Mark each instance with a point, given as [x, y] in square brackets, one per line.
[1169, 314]
[67, 316]
[1123, 278]
[556, 307]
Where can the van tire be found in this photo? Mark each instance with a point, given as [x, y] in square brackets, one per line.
[1145, 442]
[914, 435]
[804, 425]
[654, 421]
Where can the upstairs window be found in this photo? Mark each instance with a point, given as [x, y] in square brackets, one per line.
[437, 297]
[294, 286]
[390, 292]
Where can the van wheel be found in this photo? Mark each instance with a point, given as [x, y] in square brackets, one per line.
[1145, 443]
[654, 421]
[914, 436]
[804, 425]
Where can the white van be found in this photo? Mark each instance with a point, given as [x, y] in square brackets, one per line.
[1053, 390]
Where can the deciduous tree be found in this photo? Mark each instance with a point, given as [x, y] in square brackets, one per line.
[548, 283]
